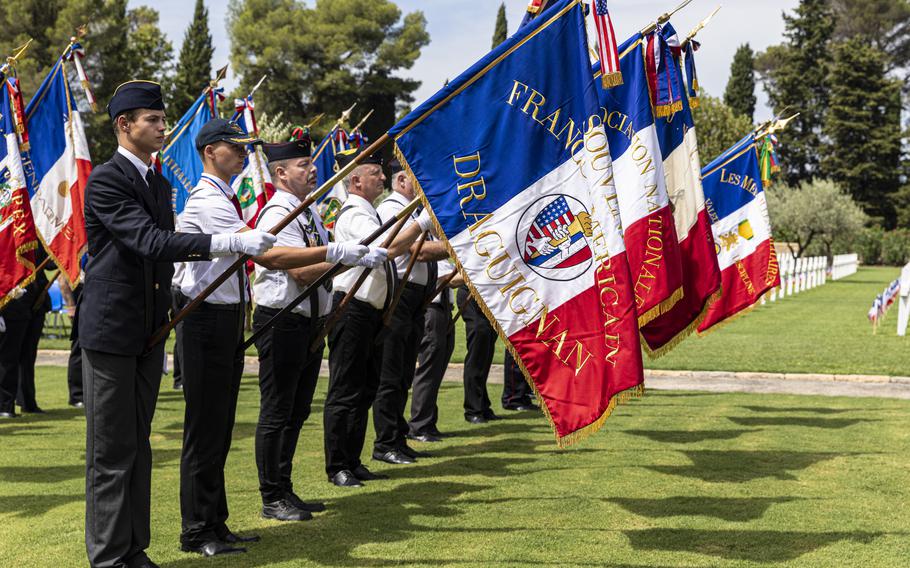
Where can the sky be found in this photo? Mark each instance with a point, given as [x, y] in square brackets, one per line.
[461, 33]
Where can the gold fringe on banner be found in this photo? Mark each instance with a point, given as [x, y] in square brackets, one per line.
[679, 337]
[561, 441]
[663, 111]
[611, 80]
[661, 308]
[694, 102]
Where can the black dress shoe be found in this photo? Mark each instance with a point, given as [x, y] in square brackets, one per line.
[212, 548]
[312, 507]
[438, 434]
[363, 474]
[476, 419]
[524, 407]
[33, 410]
[234, 538]
[284, 510]
[345, 478]
[77, 404]
[412, 453]
[8, 415]
[424, 438]
[393, 457]
[490, 415]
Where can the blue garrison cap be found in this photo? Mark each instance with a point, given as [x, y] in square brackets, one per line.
[223, 130]
[135, 94]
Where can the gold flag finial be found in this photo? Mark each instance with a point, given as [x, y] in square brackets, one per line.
[664, 18]
[315, 120]
[701, 25]
[362, 121]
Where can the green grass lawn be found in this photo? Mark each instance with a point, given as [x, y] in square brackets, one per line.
[675, 479]
[823, 330]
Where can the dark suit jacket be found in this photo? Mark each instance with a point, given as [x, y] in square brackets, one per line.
[132, 247]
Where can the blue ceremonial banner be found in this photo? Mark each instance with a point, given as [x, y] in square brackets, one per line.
[180, 163]
[513, 163]
[329, 204]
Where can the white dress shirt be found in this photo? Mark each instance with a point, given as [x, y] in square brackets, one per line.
[140, 165]
[209, 210]
[276, 288]
[390, 207]
[356, 220]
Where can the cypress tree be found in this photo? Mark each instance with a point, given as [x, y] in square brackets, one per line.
[796, 79]
[194, 68]
[740, 92]
[501, 32]
[864, 129]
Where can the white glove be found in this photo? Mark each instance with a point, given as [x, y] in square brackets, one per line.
[2, 325]
[348, 254]
[17, 292]
[375, 258]
[424, 221]
[253, 243]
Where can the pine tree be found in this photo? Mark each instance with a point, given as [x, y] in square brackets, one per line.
[501, 32]
[795, 77]
[740, 92]
[194, 68]
[864, 129]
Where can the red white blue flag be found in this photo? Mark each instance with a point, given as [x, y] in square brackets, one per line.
[18, 238]
[735, 201]
[522, 192]
[57, 166]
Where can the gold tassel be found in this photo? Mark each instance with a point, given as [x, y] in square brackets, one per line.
[694, 102]
[679, 337]
[663, 111]
[611, 80]
[663, 307]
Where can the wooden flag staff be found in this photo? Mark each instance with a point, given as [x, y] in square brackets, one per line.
[387, 316]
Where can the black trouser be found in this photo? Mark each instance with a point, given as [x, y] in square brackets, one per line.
[178, 302]
[354, 365]
[288, 371]
[481, 343]
[435, 350]
[212, 367]
[11, 342]
[120, 396]
[74, 365]
[399, 359]
[25, 396]
[515, 389]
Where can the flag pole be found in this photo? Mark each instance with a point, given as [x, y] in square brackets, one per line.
[663, 19]
[387, 316]
[701, 25]
[338, 310]
[327, 275]
[458, 313]
[13, 59]
[163, 331]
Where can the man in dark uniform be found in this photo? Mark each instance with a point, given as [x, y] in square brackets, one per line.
[288, 368]
[36, 302]
[481, 345]
[14, 318]
[132, 246]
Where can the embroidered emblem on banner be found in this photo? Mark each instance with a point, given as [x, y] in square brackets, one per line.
[552, 237]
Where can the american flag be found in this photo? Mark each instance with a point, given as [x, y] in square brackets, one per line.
[607, 48]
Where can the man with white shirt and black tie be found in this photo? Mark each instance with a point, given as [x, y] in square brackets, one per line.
[355, 355]
[211, 364]
[288, 369]
[131, 250]
[402, 336]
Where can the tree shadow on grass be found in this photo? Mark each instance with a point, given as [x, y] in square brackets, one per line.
[352, 522]
[34, 505]
[814, 410]
[174, 431]
[24, 428]
[41, 474]
[687, 437]
[763, 547]
[727, 509]
[809, 421]
[742, 466]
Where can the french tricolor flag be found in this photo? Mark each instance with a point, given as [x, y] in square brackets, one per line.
[735, 201]
[682, 167]
[57, 167]
[643, 202]
[515, 168]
